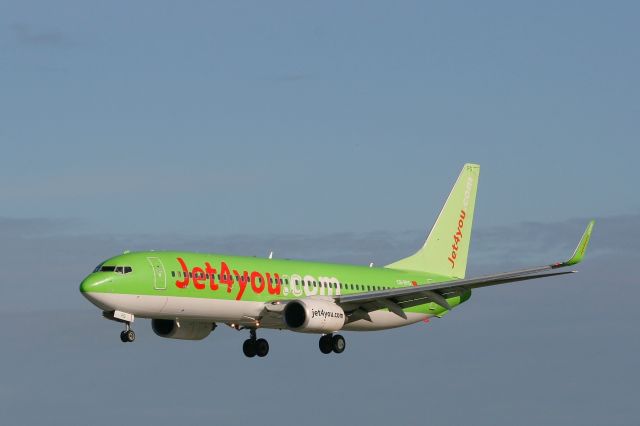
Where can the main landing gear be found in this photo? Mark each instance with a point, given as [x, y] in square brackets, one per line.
[332, 343]
[253, 346]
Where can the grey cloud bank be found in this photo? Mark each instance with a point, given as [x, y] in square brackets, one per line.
[560, 351]
[25, 35]
[50, 257]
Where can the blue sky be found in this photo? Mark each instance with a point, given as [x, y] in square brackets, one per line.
[329, 131]
[298, 116]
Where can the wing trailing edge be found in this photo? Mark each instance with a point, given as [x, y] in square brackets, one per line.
[424, 293]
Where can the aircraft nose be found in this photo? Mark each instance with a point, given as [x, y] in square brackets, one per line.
[88, 284]
[94, 289]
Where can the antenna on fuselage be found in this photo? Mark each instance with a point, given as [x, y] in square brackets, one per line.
[371, 265]
[271, 254]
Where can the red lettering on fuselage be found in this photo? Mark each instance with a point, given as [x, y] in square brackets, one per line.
[257, 282]
[225, 276]
[211, 272]
[185, 272]
[273, 289]
[199, 276]
[242, 282]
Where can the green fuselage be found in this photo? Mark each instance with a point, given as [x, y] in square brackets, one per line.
[250, 279]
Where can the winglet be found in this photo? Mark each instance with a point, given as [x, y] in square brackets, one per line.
[578, 254]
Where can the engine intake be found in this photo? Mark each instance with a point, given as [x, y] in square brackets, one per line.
[314, 316]
[185, 330]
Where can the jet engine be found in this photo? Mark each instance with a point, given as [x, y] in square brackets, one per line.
[314, 316]
[180, 329]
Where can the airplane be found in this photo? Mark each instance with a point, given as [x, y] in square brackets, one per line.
[186, 295]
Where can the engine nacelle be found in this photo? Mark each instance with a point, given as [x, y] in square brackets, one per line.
[314, 316]
[180, 329]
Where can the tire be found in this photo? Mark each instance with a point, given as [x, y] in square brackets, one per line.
[130, 335]
[123, 337]
[249, 348]
[262, 347]
[338, 344]
[325, 344]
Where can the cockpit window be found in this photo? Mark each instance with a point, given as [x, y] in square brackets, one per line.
[117, 269]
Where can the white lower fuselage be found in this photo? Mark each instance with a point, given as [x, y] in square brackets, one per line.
[227, 311]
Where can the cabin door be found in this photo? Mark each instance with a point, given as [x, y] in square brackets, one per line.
[159, 275]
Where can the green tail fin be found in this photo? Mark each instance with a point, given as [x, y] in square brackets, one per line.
[447, 247]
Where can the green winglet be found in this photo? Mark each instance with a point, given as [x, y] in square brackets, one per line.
[578, 254]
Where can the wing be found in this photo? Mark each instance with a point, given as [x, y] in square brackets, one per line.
[396, 299]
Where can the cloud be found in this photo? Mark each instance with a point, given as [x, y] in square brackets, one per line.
[25, 35]
[292, 77]
[498, 353]
[48, 258]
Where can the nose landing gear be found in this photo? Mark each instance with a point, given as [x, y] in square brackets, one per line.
[127, 319]
[127, 335]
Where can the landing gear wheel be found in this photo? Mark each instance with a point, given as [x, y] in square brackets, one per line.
[338, 344]
[249, 348]
[262, 347]
[326, 344]
[127, 336]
